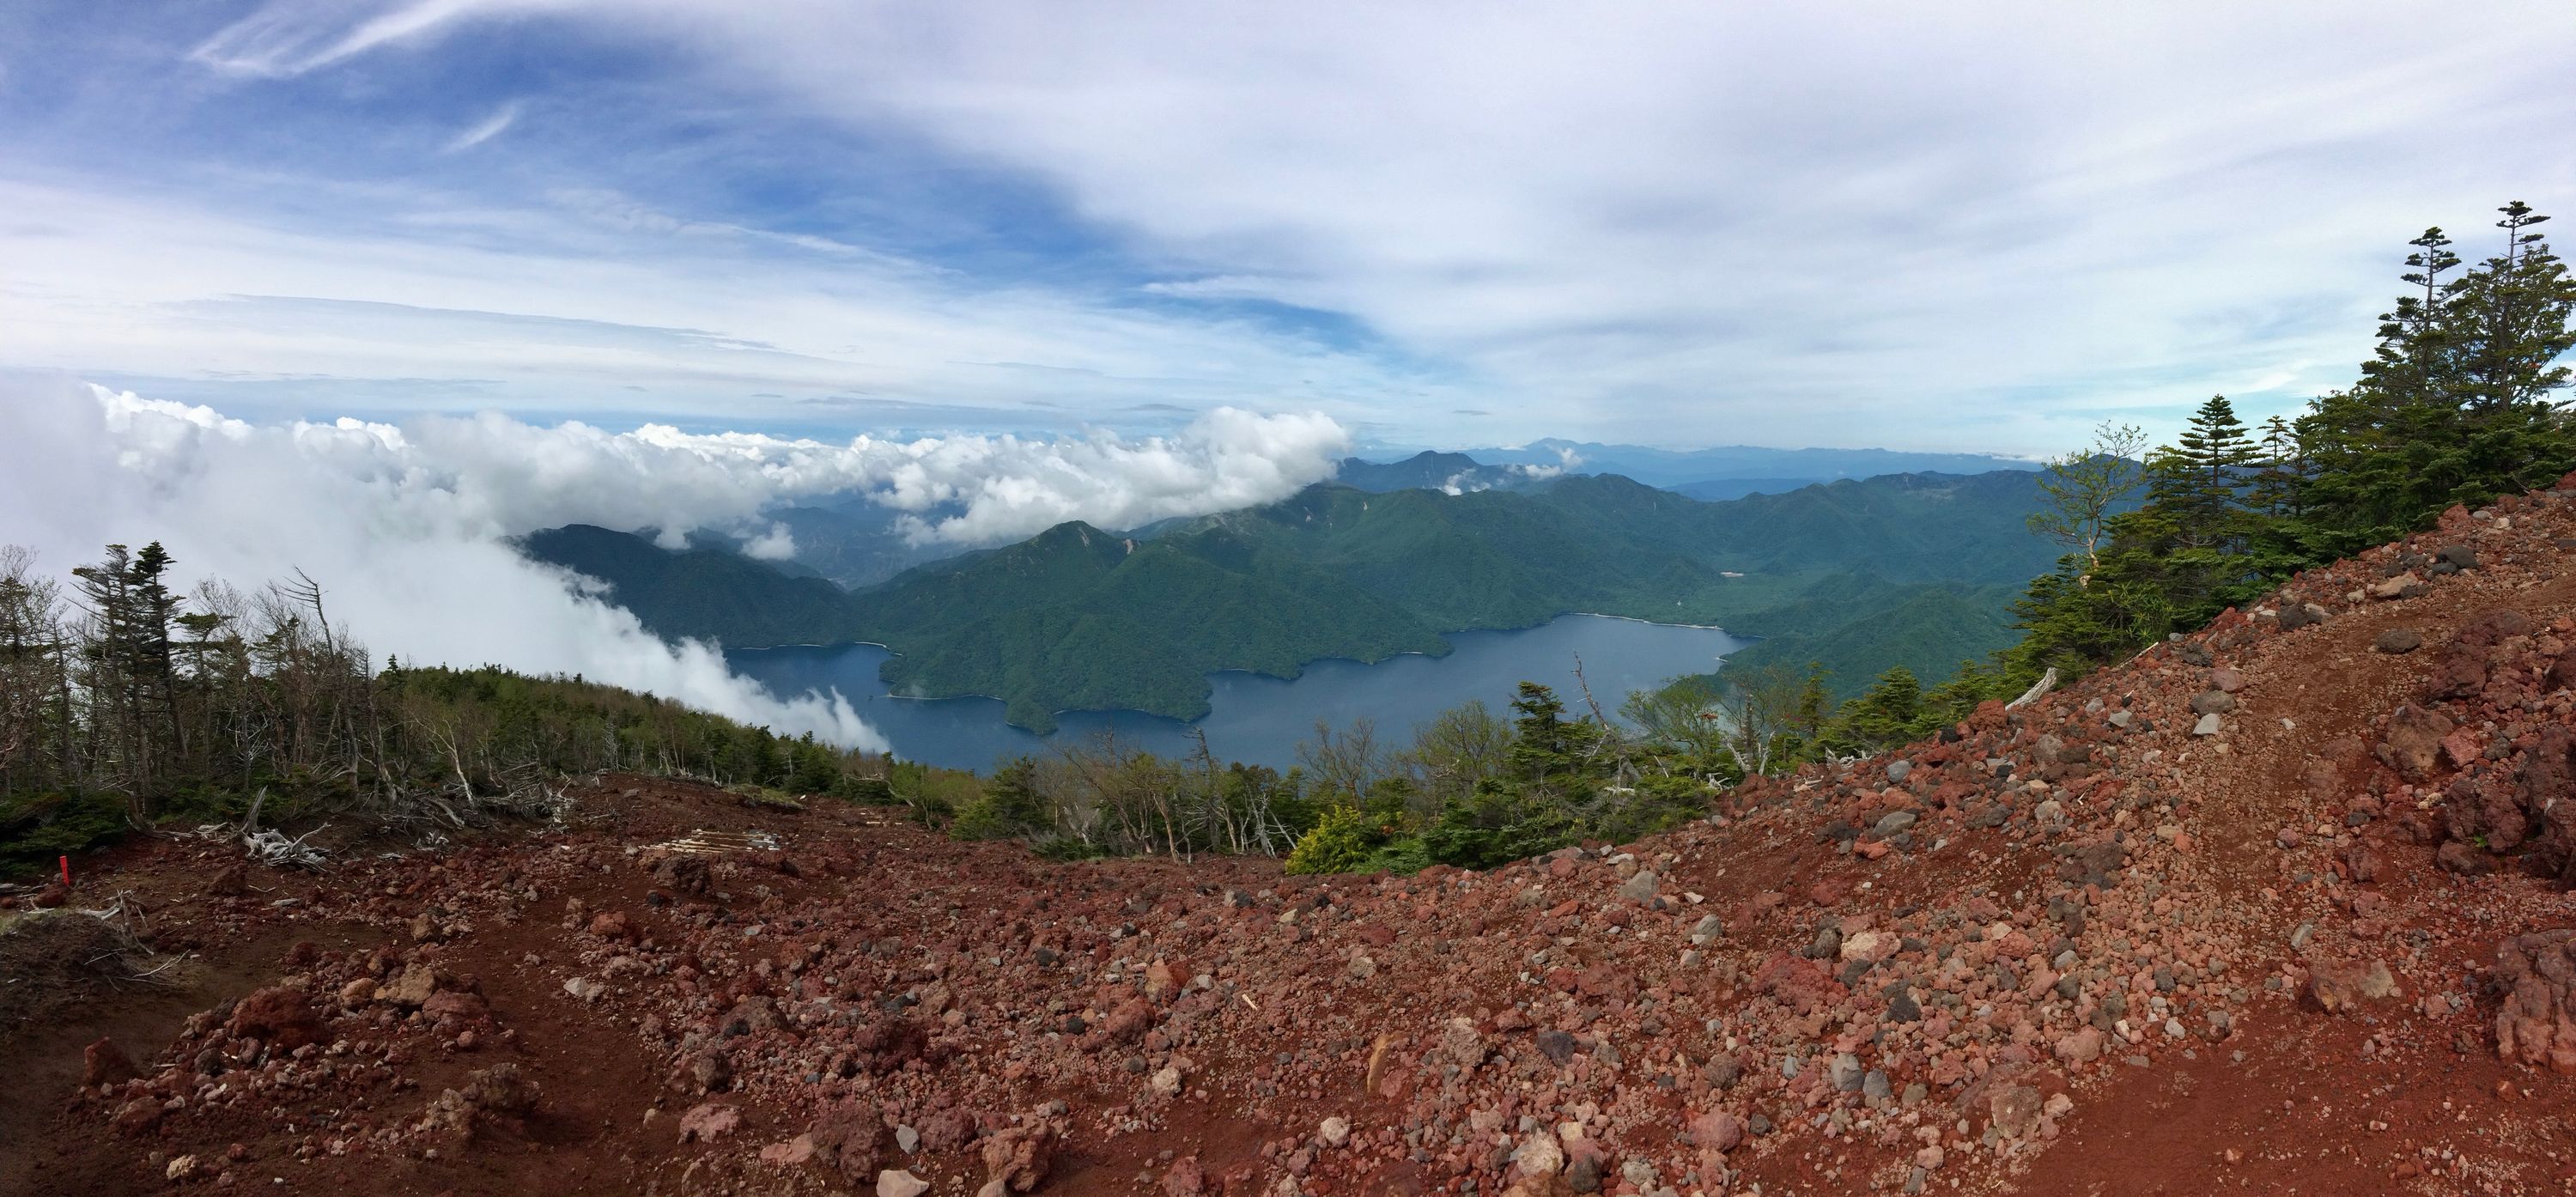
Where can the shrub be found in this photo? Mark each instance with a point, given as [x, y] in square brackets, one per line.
[1340, 842]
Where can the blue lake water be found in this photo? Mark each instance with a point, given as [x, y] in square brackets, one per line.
[1260, 720]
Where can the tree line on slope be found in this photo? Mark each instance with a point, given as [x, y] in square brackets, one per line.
[126, 704]
[2455, 406]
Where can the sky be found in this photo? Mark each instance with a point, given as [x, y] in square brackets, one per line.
[1974, 226]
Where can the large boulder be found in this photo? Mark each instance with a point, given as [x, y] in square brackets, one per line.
[2537, 1023]
[281, 1017]
[2413, 743]
[849, 1139]
[1017, 1158]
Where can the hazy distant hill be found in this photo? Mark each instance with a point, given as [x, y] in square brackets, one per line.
[1718, 490]
[1683, 467]
[1435, 471]
[1082, 618]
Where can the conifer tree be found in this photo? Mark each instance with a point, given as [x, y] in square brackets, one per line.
[2516, 311]
[2413, 362]
[2280, 465]
[2455, 406]
[2196, 480]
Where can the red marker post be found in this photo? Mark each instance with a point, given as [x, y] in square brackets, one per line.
[67, 872]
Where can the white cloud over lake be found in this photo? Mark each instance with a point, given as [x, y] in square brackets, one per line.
[407, 525]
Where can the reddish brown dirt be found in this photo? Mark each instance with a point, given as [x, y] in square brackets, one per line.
[2008, 962]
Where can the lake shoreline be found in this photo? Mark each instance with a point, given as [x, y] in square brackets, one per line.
[1255, 717]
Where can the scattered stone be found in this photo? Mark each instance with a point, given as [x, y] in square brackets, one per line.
[711, 1070]
[2398, 641]
[104, 1063]
[2335, 988]
[1717, 1131]
[1556, 1045]
[281, 1017]
[2413, 742]
[1539, 1155]
[707, 1122]
[893, 1183]
[2015, 1110]
[1018, 1157]
[2403, 586]
[794, 1153]
[412, 988]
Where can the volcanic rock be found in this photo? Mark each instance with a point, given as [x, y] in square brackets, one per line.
[2537, 1023]
[2335, 988]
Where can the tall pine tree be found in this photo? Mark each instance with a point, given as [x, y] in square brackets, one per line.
[2455, 405]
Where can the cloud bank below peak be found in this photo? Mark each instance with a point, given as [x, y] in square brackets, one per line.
[408, 526]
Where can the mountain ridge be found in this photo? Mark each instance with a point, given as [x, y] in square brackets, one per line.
[1080, 617]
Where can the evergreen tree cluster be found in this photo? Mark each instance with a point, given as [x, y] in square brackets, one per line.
[2456, 406]
[125, 704]
[1475, 790]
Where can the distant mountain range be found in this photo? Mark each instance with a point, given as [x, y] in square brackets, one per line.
[856, 542]
[1454, 473]
[1084, 618]
[1775, 468]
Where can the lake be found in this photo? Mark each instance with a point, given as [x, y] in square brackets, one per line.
[1260, 720]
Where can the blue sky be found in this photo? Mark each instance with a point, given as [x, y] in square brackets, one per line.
[1984, 228]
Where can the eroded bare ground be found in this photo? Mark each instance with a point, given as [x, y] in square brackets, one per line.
[2071, 949]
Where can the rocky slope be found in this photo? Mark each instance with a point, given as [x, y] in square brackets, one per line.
[2279, 907]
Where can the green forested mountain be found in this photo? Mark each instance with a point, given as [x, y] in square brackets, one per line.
[703, 593]
[1861, 574]
[1430, 470]
[1858, 626]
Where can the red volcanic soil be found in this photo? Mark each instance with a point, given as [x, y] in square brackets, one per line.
[2319, 947]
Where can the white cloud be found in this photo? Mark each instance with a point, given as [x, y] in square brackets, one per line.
[291, 37]
[593, 304]
[411, 564]
[1976, 226]
[1970, 225]
[776, 544]
[407, 524]
[486, 129]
